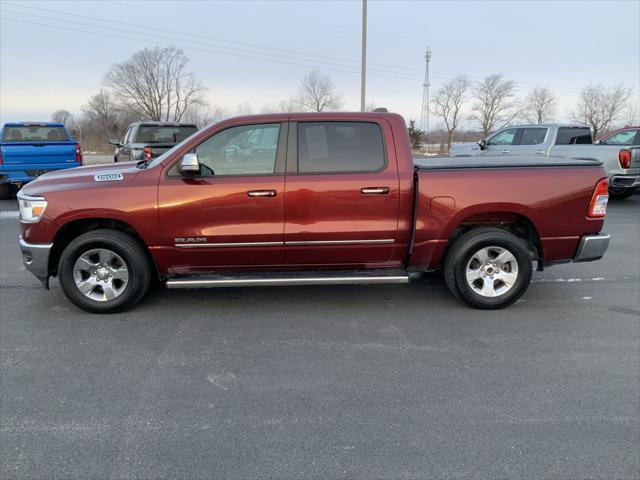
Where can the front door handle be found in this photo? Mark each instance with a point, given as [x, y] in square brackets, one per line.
[375, 190]
[261, 193]
[540, 152]
[506, 151]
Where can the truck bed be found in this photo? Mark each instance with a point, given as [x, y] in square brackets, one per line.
[547, 194]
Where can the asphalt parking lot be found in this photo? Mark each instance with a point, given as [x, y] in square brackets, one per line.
[327, 382]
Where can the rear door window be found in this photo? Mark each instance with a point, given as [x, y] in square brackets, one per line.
[32, 133]
[533, 136]
[573, 136]
[327, 147]
[505, 137]
[625, 137]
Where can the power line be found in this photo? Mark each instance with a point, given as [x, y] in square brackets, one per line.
[406, 75]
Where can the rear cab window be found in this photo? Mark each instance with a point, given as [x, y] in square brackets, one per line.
[34, 133]
[163, 134]
[573, 136]
[335, 146]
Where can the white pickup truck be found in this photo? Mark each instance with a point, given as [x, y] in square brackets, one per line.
[615, 151]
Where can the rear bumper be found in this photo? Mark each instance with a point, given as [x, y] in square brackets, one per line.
[625, 181]
[592, 247]
[35, 257]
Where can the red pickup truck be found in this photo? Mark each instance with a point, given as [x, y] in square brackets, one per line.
[329, 198]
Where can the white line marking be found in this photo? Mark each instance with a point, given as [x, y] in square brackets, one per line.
[568, 280]
[10, 214]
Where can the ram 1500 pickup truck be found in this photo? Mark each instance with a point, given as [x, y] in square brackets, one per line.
[28, 149]
[326, 198]
[566, 141]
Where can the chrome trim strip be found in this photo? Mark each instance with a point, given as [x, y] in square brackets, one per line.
[229, 245]
[340, 242]
[26, 244]
[256, 282]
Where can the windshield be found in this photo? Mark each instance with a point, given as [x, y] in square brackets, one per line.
[34, 133]
[163, 134]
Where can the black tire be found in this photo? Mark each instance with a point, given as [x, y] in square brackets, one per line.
[466, 247]
[620, 193]
[135, 257]
[5, 191]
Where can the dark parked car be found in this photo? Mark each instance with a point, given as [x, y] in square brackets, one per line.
[147, 140]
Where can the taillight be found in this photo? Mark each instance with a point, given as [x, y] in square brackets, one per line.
[599, 200]
[78, 154]
[624, 157]
[147, 153]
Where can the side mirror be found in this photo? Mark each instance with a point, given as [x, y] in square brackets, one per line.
[189, 164]
[482, 144]
[114, 141]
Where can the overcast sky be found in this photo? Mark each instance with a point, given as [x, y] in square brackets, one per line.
[54, 54]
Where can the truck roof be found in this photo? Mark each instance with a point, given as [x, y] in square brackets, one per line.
[549, 125]
[163, 124]
[34, 124]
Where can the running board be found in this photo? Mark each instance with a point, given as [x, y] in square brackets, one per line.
[197, 282]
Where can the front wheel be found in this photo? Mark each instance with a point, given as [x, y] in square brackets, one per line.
[104, 271]
[488, 268]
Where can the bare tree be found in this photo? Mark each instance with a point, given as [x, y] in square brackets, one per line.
[283, 106]
[317, 93]
[599, 106]
[495, 105]
[447, 104]
[155, 84]
[540, 105]
[62, 116]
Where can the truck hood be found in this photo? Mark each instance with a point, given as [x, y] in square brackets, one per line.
[94, 176]
[465, 150]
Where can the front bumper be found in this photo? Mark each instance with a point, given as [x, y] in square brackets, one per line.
[625, 181]
[592, 247]
[35, 257]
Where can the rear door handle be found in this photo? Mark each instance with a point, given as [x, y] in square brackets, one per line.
[539, 152]
[261, 193]
[506, 151]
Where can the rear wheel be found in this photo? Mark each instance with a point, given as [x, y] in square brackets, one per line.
[5, 191]
[488, 268]
[620, 193]
[104, 271]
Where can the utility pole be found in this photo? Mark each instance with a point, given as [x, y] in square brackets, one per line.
[363, 67]
[425, 95]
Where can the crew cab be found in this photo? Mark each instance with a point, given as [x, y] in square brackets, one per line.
[567, 141]
[315, 198]
[147, 140]
[29, 149]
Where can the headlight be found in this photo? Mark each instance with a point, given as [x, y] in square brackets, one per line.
[31, 208]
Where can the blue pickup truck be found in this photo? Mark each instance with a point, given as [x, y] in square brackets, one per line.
[29, 149]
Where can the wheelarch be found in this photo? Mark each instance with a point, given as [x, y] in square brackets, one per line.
[515, 223]
[75, 228]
